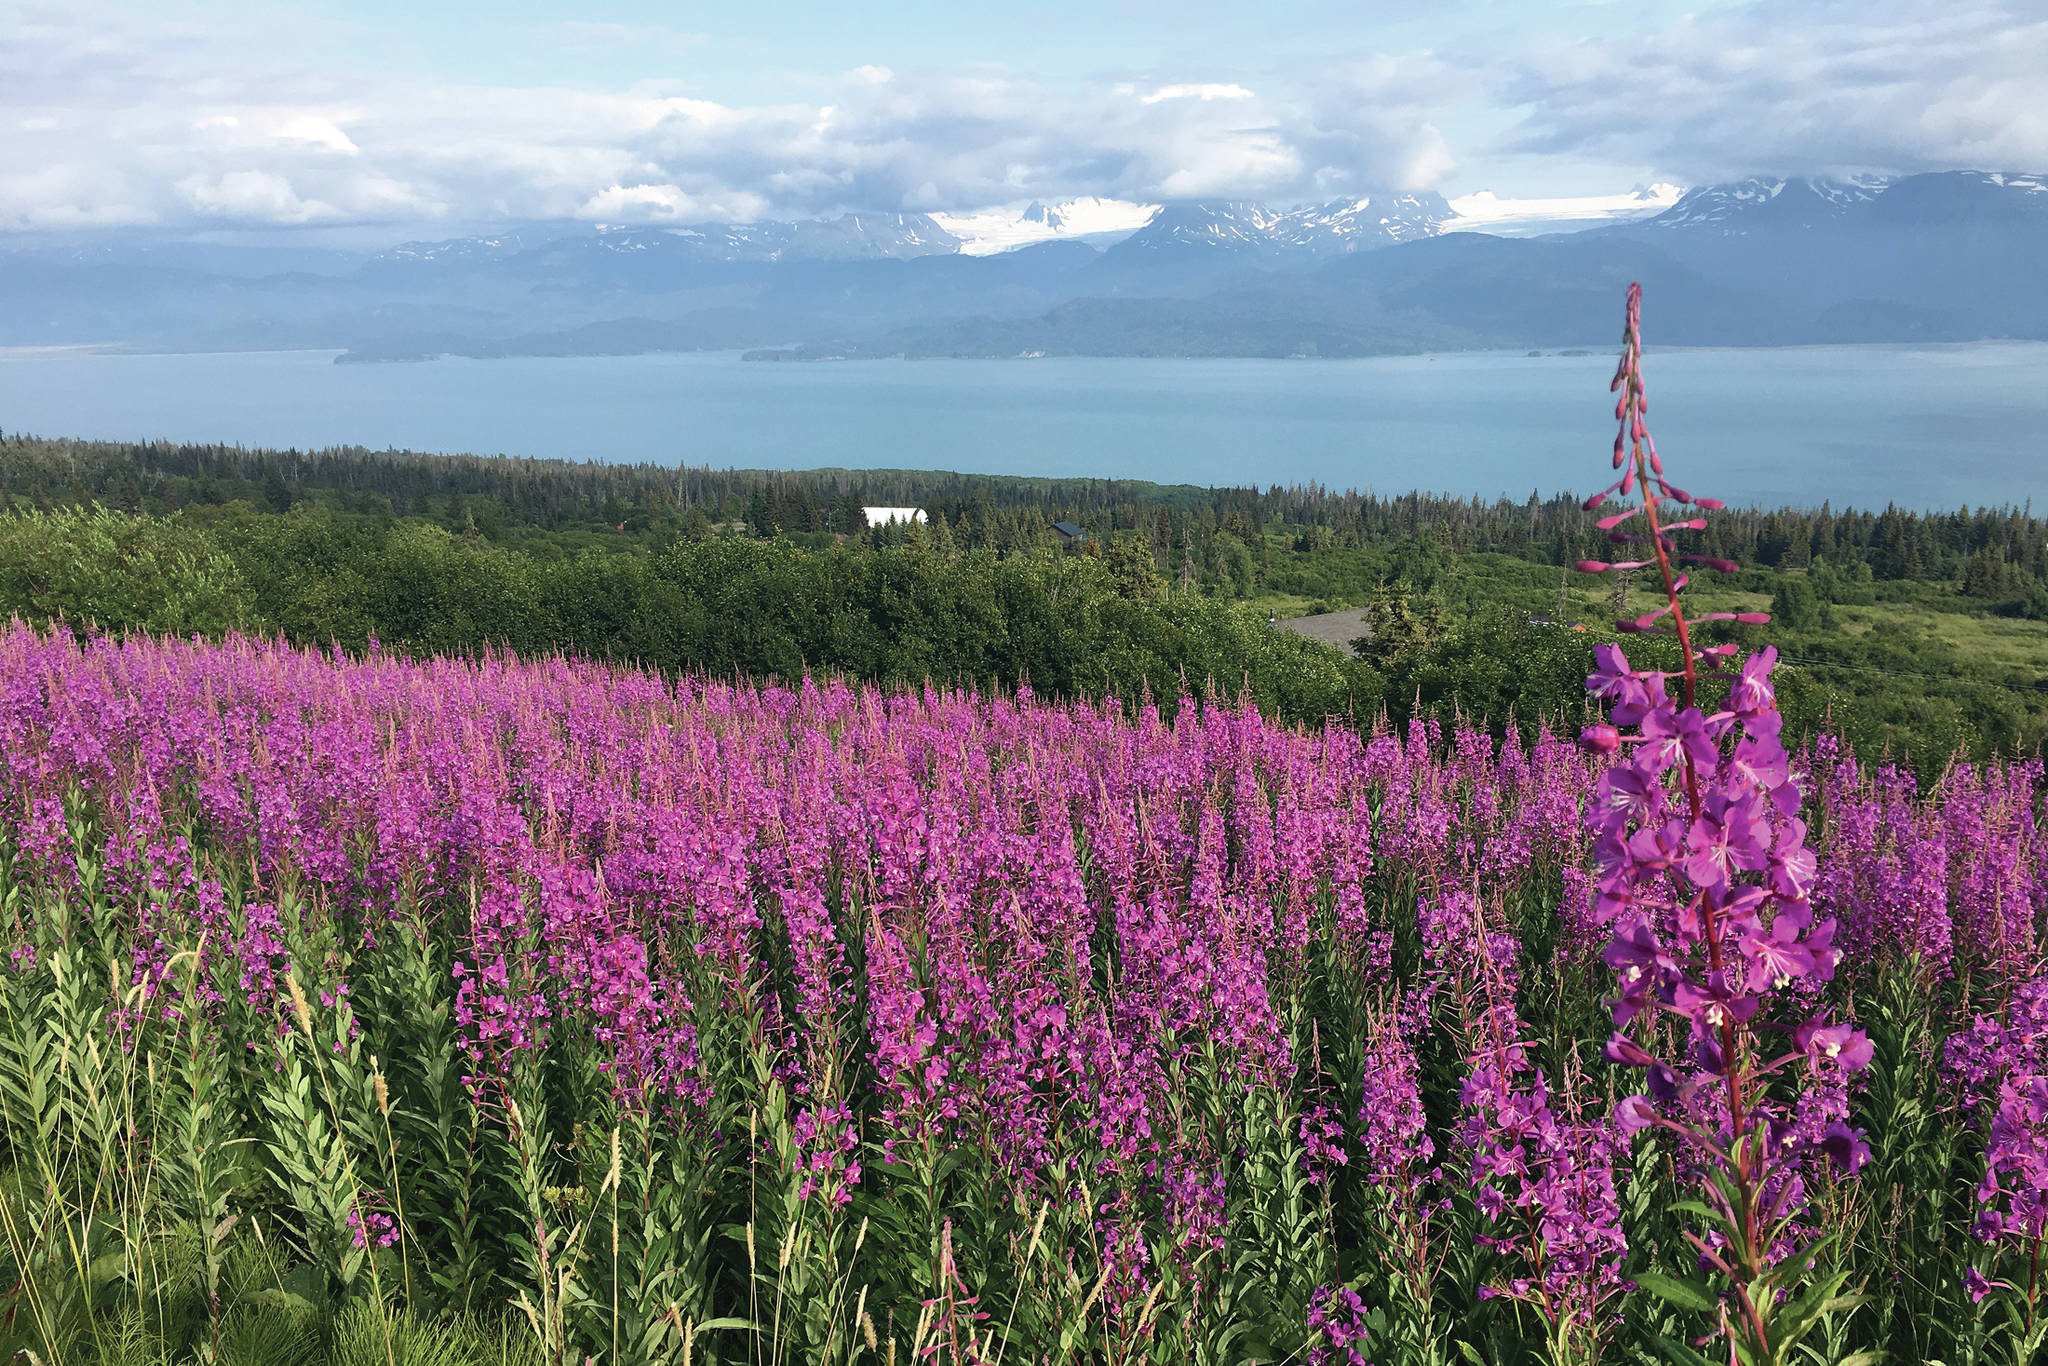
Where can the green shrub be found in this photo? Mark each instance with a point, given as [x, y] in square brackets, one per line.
[118, 572]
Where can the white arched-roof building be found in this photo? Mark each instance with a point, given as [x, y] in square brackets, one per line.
[878, 516]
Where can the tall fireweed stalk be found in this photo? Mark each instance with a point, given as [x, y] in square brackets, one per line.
[1703, 872]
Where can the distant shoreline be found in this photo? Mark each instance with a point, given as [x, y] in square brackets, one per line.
[786, 354]
[843, 355]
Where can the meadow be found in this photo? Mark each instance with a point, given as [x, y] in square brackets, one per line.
[369, 1009]
[479, 1008]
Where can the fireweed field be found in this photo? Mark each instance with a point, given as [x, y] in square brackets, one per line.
[369, 1010]
[376, 1010]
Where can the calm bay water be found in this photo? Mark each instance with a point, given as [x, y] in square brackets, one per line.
[1931, 426]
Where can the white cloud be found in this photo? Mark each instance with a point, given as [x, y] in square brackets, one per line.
[113, 118]
[1798, 86]
[648, 203]
[251, 196]
[1376, 121]
[192, 125]
[299, 129]
[637, 201]
[314, 131]
[1206, 91]
[66, 196]
[1250, 162]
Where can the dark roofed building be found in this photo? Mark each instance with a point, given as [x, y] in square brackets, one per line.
[1069, 534]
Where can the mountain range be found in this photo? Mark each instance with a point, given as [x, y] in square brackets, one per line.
[1767, 261]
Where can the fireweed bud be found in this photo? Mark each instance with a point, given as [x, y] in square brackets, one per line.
[1600, 738]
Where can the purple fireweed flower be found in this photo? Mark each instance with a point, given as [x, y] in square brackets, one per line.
[1393, 1129]
[826, 1140]
[2001, 1067]
[1845, 1147]
[1322, 1144]
[1847, 1047]
[370, 1228]
[1337, 1327]
[1750, 693]
[1704, 872]
[1127, 1269]
[1194, 1197]
[1542, 1173]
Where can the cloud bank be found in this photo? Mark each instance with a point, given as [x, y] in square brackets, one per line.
[108, 121]
[1798, 86]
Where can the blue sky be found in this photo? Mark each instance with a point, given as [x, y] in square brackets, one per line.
[398, 117]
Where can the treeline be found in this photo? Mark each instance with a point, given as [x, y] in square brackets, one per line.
[1993, 553]
[1069, 625]
[322, 549]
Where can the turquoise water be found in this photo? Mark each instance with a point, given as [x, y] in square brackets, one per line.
[1934, 426]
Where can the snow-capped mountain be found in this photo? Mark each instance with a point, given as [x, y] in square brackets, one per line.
[1951, 200]
[1931, 201]
[1235, 225]
[1089, 219]
[2018, 183]
[1374, 220]
[462, 249]
[850, 237]
[867, 236]
[1769, 261]
[1744, 205]
[1344, 225]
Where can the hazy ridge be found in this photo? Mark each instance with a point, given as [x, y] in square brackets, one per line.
[1940, 257]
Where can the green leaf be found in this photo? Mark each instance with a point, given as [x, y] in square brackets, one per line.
[1795, 1320]
[1707, 1212]
[274, 1298]
[1676, 1351]
[1685, 1294]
